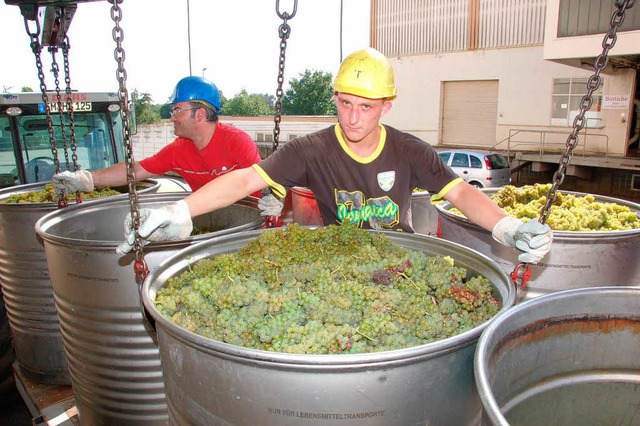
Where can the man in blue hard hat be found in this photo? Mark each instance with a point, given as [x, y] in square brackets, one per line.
[203, 150]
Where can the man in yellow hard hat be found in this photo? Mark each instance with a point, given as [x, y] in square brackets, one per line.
[359, 170]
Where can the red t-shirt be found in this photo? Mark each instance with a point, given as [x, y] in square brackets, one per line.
[229, 149]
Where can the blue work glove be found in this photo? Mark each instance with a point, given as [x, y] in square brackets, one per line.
[270, 205]
[532, 238]
[167, 223]
[71, 182]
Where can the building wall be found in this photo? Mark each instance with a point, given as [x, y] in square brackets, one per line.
[524, 98]
[150, 138]
[516, 42]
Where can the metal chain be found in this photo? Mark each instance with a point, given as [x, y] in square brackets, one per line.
[139, 266]
[69, 102]
[36, 47]
[579, 122]
[55, 70]
[522, 272]
[284, 31]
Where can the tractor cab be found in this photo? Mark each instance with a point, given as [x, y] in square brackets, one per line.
[26, 152]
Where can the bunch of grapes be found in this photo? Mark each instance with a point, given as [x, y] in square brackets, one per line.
[569, 212]
[48, 195]
[329, 290]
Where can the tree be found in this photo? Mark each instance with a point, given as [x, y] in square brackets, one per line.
[244, 104]
[165, 110]
[26, 89]
[146, 112]
[311, 94]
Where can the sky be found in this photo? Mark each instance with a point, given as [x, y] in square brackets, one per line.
[235, 44]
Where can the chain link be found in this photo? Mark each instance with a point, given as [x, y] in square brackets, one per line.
[69, 102]
[55, 70]
[284, 31]
[140, 266]
[36, 48]
[579, 122]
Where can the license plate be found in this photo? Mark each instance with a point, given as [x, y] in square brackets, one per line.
[76, 105]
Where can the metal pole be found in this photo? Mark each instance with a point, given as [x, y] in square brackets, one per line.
[189, 35]
[341, 19]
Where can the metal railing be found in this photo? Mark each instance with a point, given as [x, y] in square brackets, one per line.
[542, 141]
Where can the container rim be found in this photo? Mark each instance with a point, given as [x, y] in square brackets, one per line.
[580, 296]
[175, 264]
[46, 222]
[444, 207]
[150, 184]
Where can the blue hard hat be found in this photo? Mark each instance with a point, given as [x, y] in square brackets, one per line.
[196, 89]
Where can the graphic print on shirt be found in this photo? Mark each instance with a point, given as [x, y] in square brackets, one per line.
[223, 170]
[386, 180]
[379, 212]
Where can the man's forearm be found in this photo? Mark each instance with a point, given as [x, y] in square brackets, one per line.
[224, 191]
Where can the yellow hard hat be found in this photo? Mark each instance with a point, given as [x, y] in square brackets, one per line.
[366, 73]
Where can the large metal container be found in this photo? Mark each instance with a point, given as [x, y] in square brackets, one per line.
[26, 286]
[7, 356]
[214, 383]
[575, 260]
[423, 214]
[113, 358]
[567, 358]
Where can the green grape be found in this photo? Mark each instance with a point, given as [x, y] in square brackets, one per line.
[329, 290]
[569, 212]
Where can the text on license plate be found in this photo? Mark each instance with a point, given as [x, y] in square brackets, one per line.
[76, 105]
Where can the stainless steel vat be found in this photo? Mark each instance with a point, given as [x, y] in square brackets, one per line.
[423, 214]
[7, 356]
[213, 383]
[576, 259]
[113, 358]
[26, 286]
[566, 358]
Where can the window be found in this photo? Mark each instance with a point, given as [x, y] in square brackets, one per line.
[475, 162]
[445, 156]
[566, 99]
[460, 160]
[497, 161]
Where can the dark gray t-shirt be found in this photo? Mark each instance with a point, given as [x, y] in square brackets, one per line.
[374, 192]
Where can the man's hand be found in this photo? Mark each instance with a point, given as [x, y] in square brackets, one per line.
[270, 205]
[532, 238]
[70, 182]
[167, 223]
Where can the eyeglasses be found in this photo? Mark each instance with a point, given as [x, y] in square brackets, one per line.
[178, 110]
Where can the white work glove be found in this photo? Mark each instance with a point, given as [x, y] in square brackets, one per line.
[532, 238]
[270, 205]
[70, 182]
[167, 223]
